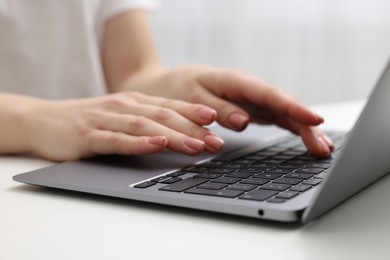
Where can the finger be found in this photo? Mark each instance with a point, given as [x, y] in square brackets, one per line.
[314, 139]
[282, 103]
[229, 114]
[142, 126]
[171, 119]
[328, 141]
[197, 113]
[164, 116]
[241, 87]
[181, 118]
[107, 142]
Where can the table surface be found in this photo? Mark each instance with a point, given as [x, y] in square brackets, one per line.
[42, 223]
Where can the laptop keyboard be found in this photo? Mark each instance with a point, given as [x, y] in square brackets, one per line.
[274, 174]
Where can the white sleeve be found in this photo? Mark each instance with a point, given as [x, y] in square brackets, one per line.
[111, 8]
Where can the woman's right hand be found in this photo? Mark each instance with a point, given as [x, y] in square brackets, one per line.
[121, 123]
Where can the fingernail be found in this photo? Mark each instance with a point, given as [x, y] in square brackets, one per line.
[207, 113]
[328, 141]
[158, 140]
[214, 142]
[238, 121]
[320, 118]
[194, 144]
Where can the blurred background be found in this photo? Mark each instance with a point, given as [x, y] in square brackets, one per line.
[318, 50]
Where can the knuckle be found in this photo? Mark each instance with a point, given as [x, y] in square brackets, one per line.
[167, 103]
[163, 114]
[90, 115]
[114, 103]
[114, 140]
[81, 128]
[197, 96]
[137, 123]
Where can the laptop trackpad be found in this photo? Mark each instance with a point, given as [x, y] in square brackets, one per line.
[117, 172]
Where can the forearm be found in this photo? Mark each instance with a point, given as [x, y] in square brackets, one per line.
[129, 56]
[14, 111]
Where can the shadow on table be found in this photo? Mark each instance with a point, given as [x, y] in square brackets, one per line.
[358, 227]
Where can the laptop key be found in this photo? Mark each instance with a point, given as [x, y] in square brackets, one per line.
[306, 157]
[219, 193]
[273, 161]
[262, 165]
[313, 181]
[254, 181]
[283, 157]
[279, 170]
[212, 186]
[320, 165]
[270, 176]
[287, 194]
[160, 179]
[228, 180]
[208, 175]
[242, 186]
[183, 184]
[290, 181]
[251, 170]
[275, 186]
[298, 175]
[239, 174]
[296, 162]
[259, 195]
[220, 170]
[288, 166]
[171, 180]
[310, 170]
[176, 174]
[300, 187]
[145, 184]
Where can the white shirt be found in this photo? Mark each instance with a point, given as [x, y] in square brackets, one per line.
[51, 48]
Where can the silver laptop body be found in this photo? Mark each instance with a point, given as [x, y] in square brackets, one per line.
[363, 159]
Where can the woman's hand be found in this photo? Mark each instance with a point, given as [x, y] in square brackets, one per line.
[122, 123]
[240, 98]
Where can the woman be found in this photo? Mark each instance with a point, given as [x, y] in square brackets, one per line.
[82, 77]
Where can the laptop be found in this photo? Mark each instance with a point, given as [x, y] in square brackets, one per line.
[264, 172]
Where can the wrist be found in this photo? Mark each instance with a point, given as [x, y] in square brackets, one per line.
[146, 81]
[16, 117]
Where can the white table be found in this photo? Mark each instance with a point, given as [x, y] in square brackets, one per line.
[39, 223]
